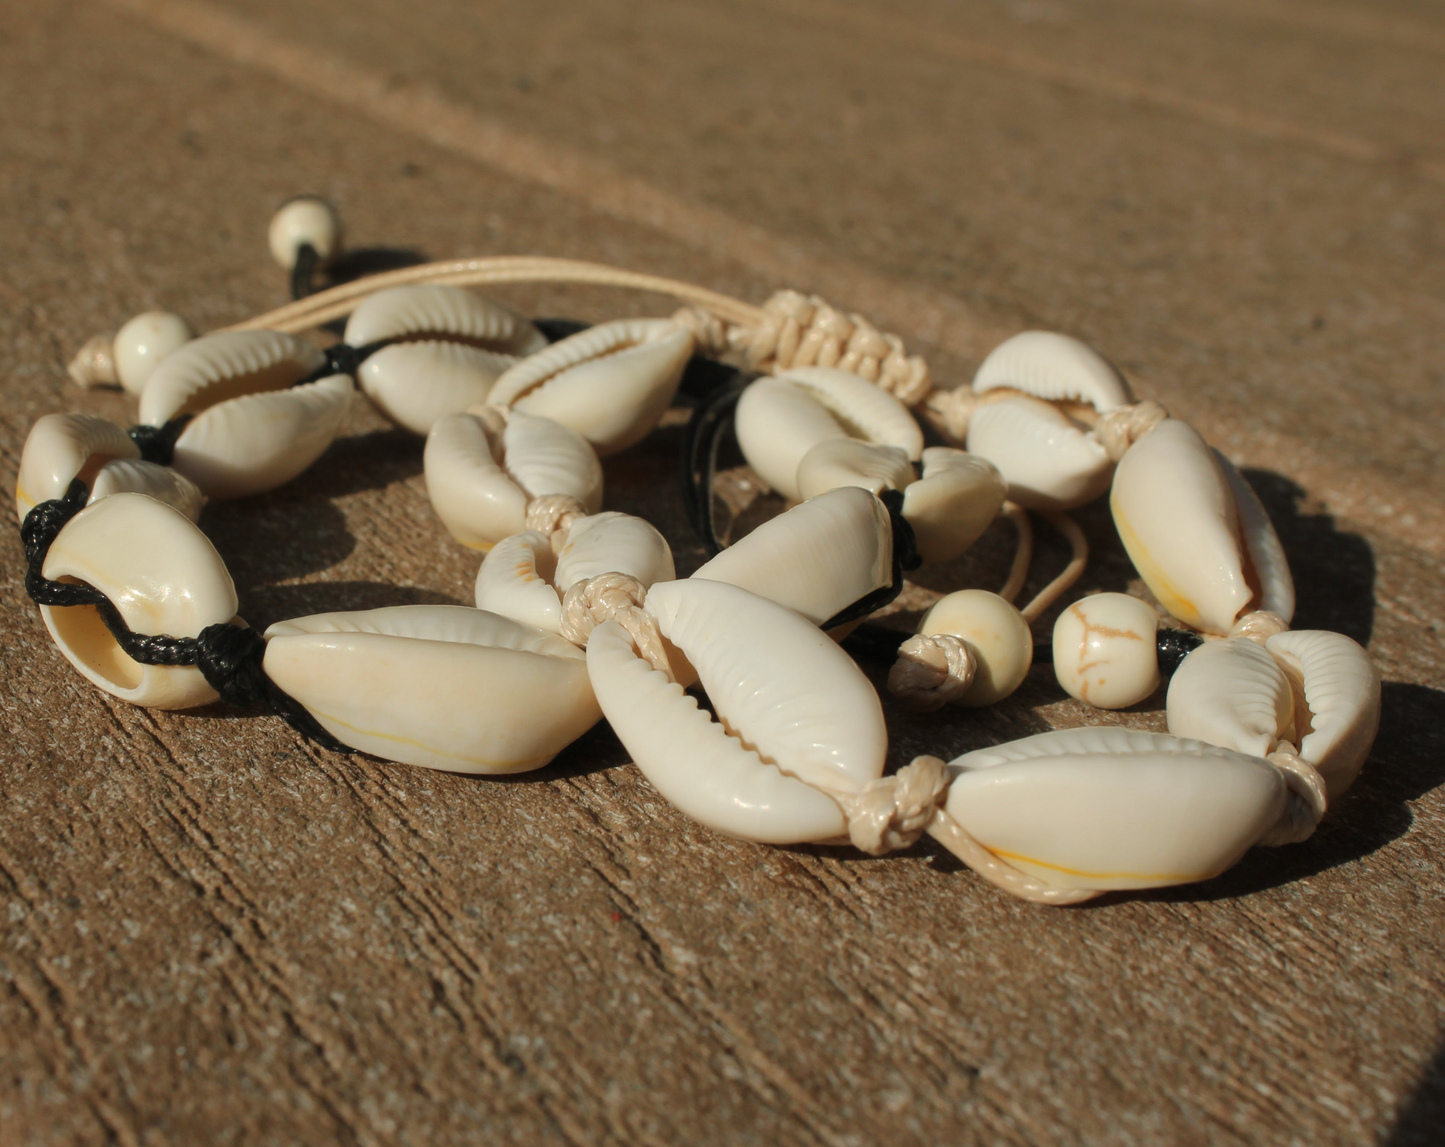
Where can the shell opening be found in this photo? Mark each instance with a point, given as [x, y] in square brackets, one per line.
[278, 376]
[83, 632]
[612, 352]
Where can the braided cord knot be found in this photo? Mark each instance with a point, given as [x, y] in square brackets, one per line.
[614, 597]
[932, 670]
[893, 812]
[554, 515]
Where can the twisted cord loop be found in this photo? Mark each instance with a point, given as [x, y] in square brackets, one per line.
[554, 515]
[1260, 626]
[893, 812]
[614, 597]
[931, 671]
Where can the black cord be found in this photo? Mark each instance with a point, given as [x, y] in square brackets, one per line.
[228, 656]
[307, 260]
[905, 558]
[712, 417]
[1173, 646]
[158, 443]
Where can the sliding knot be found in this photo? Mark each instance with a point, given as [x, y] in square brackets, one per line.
[1120, 428]
[614, 597]
[710, 333]
[802, 330]
[1259, 626]
[931, 671]
[229, 657]
[554, 515]
[1306, 801]
[893, 812]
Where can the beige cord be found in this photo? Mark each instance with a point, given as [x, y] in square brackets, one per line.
[1308, 797]
[614, 597]
[932, 670]
[1120, 428]
[553, 515]
[1023, 551]
[1072, 572]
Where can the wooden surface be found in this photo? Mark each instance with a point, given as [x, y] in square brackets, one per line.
[211, 932]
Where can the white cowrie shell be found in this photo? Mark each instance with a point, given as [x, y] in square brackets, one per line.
[817, 558]
[255, 443]
[442, 686]
[957, 498]
[517, 579]
[416, 383]
[1047, 459]
[1115, 808]
[1053, 367]
[851, 462]
[1106, 652]
[164, 577]
[778, 426]
[1231, 693]
[611, 383]
[1179, 521]
[158, 482]
[480, 482]
[61, 448]
[791, 704]
[1000, 639]
[1342, 693]
[215, 368]
[863, 409]
[520, 578]
[450, 314]
[140, 345]
[1261, 544]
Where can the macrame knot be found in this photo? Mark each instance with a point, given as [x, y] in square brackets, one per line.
[553, 515]
[802, 330]
[893, 812]
[1307, 800]
[1259, 626]
[1120, 428]
[931, 671]
[614, 597]
[709, 332]
[229, 657]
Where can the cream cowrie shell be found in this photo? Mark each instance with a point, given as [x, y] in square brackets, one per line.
[1179, 520]
[1260, 543]
[480, 479]
[448, 314]
[1049, 461]
[164, 577]
[416, 383]
[792, 704]
[305, 219]
[1104, 650]
[1115, 808]
[611, 383]
[863, 409]
[1053, 367]
[141, 344]
[255, 443]
[158, 482]
[441, 686]
[957, 498]
[1232, 693]
[817, 558]
[839, 462]
[999, 637]
[517, 579]
[1341, 689]
[61, 448]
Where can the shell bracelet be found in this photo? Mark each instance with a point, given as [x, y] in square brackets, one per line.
[579, 612]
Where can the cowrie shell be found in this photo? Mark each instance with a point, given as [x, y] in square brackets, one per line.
[441, 686]
[1115, 808]
[164, 577]
[423, 311]
[1342, 695]
[1053, 367]
[1232, 693]
[480, 481]
[61, 448]
[957, 498]
[780, 420]
[817, 558]
[219, 367]
[416, 383]
[1048, 460]
[611, 383]
[852, 462]
[1176, 512]
[790, 701]
[158, 482]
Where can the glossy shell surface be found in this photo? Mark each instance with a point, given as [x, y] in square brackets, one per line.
[957, 498]
[1232, 693]
[790, 701]
[416, 383]
[1049, 461]
[215, 368]
[817, 558]
[1114, 808]
[1105, 651]
[61, 448]
[1054, 367]
[430, 311]
[158, 482]
[517, 580]
[164, 577]
[853, 462]
[442, 686]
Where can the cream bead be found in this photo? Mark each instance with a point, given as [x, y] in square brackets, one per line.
[143, 342]
[1104, 650]
[305, 219]
[999, 637]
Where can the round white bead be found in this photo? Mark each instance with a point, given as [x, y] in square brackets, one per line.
[143, 342]
[304, 220]
[998, 634]
[1104, 650]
